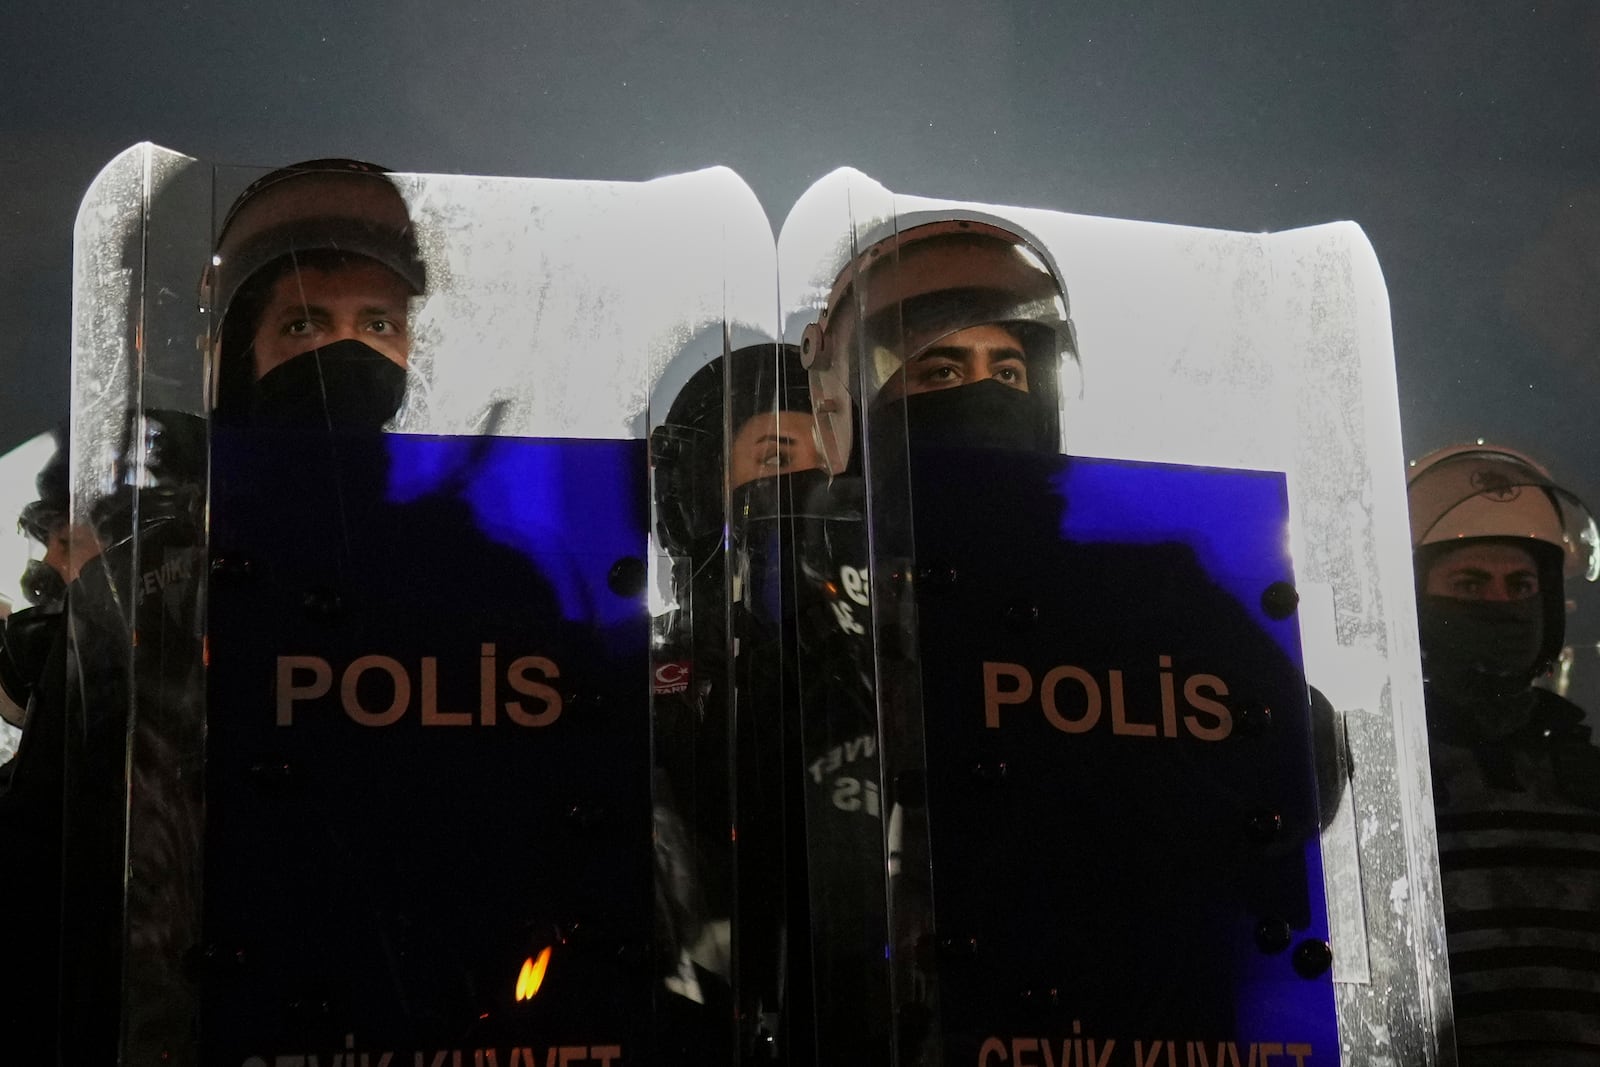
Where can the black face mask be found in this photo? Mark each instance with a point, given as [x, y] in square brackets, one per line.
[346, 386]
[986, 414]
[790, 534]
[796, 494]
[1480, 650]
[42, 585]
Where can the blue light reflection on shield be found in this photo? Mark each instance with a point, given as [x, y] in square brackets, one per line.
[572, 507]
[1237, 524]
[1236, 521]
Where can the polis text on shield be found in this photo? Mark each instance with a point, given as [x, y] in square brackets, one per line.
[1076, 700]
[302, 679]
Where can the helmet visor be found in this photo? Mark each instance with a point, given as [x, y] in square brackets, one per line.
[1491, 493]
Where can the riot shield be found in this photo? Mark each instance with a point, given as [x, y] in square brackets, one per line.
[403, 803]
[1117, 826]
[130, 719]
[737, 444]
[799, 981]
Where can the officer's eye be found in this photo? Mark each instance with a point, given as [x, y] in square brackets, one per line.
[297, 327]
[1522, 586]
[1011, 371]
[1467, 587]
[384, 326]
[938, 372]
[775, 458]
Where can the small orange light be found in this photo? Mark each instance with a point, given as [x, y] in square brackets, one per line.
[532, 976]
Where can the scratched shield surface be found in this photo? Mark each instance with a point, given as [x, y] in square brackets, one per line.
[1231, 350]
[429, 770]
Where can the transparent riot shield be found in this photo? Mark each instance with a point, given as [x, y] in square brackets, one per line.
[715, 883]
[1117, 824]
[693, 811]
[402, 801]
[131, 715]
[796, 974]
[805, 687]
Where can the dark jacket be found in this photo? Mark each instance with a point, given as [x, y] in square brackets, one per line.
[1519, 850]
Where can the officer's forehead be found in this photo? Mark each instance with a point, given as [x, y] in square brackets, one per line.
[981, 337]
[316, 278]
[772, 423]
[1488, 556]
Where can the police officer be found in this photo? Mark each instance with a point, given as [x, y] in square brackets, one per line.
[32, 678]
[767, 404]
[947, 331]
[26, 636]
[743, 425]
[66, 548]
[1516, 778]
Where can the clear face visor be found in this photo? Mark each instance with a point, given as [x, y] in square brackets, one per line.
[35, 522]
[359, 213]
[912, 294]
[1490, 493]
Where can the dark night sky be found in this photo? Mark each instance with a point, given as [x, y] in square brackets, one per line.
[1464, 143]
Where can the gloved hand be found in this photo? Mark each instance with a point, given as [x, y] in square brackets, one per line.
[26, 638]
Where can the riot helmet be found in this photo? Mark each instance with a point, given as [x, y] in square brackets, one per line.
[930, 279]
[1487, 495]
[335, 216]
[45, 522]
[692, 454]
